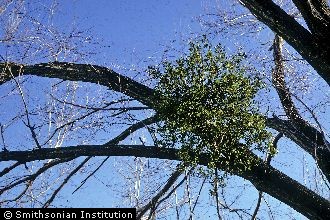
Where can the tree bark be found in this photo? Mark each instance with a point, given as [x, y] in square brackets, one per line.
[147, 96]
[314, 49]
[264, 177]
[318, 146]
[84, 73]
[308, 142]
[316, 13]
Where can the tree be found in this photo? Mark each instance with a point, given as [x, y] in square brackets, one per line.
[313, 49]
[261, 174]
[311, 43]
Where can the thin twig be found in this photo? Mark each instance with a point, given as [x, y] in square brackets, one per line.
[153, 202]
[51, 199]
[8, 169]
[256, 210]
[199, 193]
[267, 160]
[91, 174]
[32, 177]
[27, 186]
[117, 139]
[31, 128]
[102, 108]
[217, 194]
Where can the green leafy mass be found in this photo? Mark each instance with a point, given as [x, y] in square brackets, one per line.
[208, 107]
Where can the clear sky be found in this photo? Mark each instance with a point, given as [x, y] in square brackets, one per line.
[134, 30]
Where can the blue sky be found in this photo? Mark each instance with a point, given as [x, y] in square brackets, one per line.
[131, 35]
[134, 30]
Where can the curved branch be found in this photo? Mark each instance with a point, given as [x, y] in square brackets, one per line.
[272, 182]
[32, 177]
[73, 172]
[303, 128]
[312, 49]
[316, 13]
[84, 73]
[109, 78]
[308, 138]
[264, 177]
[153, 202]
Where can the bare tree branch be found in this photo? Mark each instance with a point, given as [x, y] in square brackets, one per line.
[27, 114]
[267, 160]
[273, 182]
[316, 13]
[217, 194]
[84, 73]
[104, 108]
[278, 79]
[27, 186]
[199, 193]
[307, 132]
[73, 172]
[32, 177]
[103, 76]
[152, 204]
[10, 168]
[314, 51]
[119, 138]
[256, 210]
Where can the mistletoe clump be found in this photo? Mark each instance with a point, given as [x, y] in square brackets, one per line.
[208, 108]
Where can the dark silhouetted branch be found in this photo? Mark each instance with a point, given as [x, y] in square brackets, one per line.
[264, 177]
[313, 49]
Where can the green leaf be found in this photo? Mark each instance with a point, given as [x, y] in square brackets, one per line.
[209, 107]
